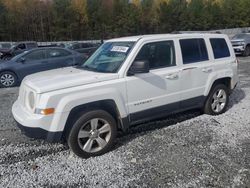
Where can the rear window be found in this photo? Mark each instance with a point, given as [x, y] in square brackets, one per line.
[193, 50]
[220, 48]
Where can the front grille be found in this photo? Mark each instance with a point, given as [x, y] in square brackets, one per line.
[235, 45]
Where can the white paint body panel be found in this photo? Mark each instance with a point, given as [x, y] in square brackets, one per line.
[64, 89]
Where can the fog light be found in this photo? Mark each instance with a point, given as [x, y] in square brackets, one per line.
[47, 111]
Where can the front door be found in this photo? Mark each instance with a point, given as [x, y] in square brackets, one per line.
[32, 62]
[156, 93]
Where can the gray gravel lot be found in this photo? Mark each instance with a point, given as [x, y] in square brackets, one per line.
[183, 150]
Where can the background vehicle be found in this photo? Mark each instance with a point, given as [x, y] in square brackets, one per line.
[127, 81]
[84, 48]
[17, 48]
[5, 45]
[241, 44]
[13, 71]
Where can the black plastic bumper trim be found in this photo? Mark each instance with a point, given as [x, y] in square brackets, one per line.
[39, 133]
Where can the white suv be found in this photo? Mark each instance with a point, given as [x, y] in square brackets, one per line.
[127, 81]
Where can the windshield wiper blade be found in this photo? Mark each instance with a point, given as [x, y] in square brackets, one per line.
[86, 67]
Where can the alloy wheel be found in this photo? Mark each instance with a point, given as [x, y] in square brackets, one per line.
[219, 100]
[7, 80]
[94, 135]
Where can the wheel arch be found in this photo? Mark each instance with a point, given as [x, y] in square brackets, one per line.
[107, 105]
[225, 81]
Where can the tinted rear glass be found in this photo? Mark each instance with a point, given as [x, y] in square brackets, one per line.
[193, 50]
[220, 48]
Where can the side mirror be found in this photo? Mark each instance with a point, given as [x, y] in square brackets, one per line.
[139, 67]
[22, 60]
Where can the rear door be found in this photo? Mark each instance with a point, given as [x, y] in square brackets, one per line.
[60, 58]
[196, 68]
[156, 93]
[224, 60]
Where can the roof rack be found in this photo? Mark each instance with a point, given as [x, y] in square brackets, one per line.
[187, 32]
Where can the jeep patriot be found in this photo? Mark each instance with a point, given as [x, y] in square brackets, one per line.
[127, 81]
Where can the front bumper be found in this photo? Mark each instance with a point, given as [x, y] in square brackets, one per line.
[33, 125]
[39, 133]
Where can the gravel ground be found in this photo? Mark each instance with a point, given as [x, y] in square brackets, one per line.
[184, 150]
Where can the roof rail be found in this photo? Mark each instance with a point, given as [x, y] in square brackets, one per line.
[187, 32]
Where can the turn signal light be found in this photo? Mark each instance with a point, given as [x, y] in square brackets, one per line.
[47, 111]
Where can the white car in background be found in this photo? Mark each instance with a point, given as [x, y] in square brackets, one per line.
[241, 44]
[127, 81]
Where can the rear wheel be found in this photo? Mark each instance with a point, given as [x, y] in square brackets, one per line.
[92, 134]
[217, 100]
[8, 79]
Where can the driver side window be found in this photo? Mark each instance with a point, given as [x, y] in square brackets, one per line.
[158, 54]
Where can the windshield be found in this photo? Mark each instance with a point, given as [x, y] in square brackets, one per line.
[5, 45]
[109, 57]
[241, 36]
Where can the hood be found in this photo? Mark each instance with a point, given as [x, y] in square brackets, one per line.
[4, 62]
[5, 50]
[65, 78]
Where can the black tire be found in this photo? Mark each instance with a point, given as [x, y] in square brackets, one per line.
[11, 83]
[210, 100]
[247, 51]
[74, 142]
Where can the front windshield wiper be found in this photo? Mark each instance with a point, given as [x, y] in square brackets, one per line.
[87, 67]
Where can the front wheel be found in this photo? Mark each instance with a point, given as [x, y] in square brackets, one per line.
[217, 100]
[92, 134]
[8, 79]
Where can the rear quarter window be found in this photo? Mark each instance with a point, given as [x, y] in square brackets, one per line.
[220, 48]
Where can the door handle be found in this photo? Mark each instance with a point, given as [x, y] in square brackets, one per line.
[172, 76]
[189, 68]
[207, 70]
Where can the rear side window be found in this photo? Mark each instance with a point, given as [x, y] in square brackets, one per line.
[158, 54]
[220, 48]
[193, 50]
[54, 53]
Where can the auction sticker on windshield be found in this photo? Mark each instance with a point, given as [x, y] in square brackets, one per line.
[122, 49]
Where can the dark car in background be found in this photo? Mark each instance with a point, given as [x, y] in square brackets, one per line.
[13, 71]
[17, 48]
[5, 45]
[87, 49]
[241, 44]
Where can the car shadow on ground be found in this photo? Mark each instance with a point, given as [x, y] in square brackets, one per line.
[236, 97]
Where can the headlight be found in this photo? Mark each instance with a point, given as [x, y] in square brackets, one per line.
[242, 43]
[31, 100]
[1, 53]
